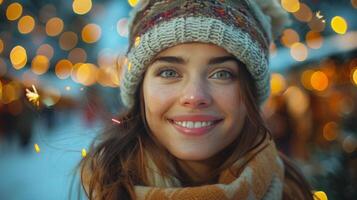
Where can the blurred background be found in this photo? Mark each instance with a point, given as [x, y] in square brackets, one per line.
[59, 86]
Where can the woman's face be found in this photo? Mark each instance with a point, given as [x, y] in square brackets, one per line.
[192, 105]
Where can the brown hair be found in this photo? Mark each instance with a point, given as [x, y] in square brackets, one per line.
[116, 160]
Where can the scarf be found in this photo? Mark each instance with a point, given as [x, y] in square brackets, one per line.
[258, 175]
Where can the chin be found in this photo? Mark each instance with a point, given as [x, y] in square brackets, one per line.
[192, 156]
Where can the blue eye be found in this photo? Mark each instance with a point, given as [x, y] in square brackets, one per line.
[222, 75]
[168, 73]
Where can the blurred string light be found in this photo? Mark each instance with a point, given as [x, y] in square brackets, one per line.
[290, 5]
[1, 46]
[63, 69]
[314, 40]
[278, 83]
[289, 37]
[133, 3]
[37, 148]
[339, 25]
[330, 131]
[91, 33]
[26, 24]
[68, 40]
[81, 7]
[14, 11]
[54, 26]
[122, 27]
[45, 50]
[40, 64]
[304, 13]
[18, 57]
[319, 81]
[299, 51]
[33, 96]
[77, 55]
[320, 195]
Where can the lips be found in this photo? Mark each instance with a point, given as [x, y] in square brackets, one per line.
[194, 125]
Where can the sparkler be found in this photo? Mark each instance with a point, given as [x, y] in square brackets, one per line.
[33, 96]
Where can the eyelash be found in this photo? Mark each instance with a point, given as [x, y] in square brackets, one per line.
[166, 69]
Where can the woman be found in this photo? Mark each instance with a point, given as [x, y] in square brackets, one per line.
[196, 75]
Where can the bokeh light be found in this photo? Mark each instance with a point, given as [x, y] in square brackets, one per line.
[1, 46]
[339, 24]
[297, 101]
[26, 24]
[46, 50]
[306, 79]
[0, 90]
[304, 14]
[54, 26]
[320, 195]
[18, 57]
[349, 144]
[77, 55]
[133, 3]
[354, 3]
[40, 64]
[278, 83]
[289, 37]
[68, 40]
[122, 27]
[10, 92]
[91, 33]
[299, 51]
[314, 40]
[81, 7]
[319, 81]
[14, 11]
[63, 69]
[87, 74]
[330, 131]
[137, 41]
[290, 5]
[354, 76]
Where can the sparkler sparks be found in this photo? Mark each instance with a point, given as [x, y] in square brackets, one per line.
[319, 16]
[33, 96]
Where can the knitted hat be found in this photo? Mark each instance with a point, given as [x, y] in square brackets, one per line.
[244, 28]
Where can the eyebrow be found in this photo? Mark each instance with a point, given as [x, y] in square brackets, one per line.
[180, 60]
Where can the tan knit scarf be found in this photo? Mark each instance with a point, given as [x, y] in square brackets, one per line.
[261, 178]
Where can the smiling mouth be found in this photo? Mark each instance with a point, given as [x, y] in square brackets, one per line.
[194, 124]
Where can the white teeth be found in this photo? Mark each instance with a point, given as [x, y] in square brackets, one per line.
[190, 124]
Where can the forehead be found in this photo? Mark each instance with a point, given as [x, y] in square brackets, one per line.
[194, 49]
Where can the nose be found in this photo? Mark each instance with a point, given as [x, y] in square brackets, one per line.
[196, 94]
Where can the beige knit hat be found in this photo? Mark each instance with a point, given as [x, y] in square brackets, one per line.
[244, 28]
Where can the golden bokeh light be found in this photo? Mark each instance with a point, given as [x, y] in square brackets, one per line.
[26, 24]
[319, 81]
[304, 14]
[54, 26]
[40, 64]
[68, 40]
[289, 37]
[14, 11]
[84, 153]
[354, 3]
[339, 24]
[133, 3]
[278, 83]
[1, 46]
[81, 7]
[1, 2]
[91, 33]
[10, 92]
[3, 67]
[320, 195]
[63, 69]
[45, 50]
[314, 40]
[297, 100]
[18, 57]
[137, 41]
[77, 55]
[306, 79]
[330, 131]
[354, 76]
[290, 5]
[87, 74]
[122, 27]
[299, 51]
[37, 148]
